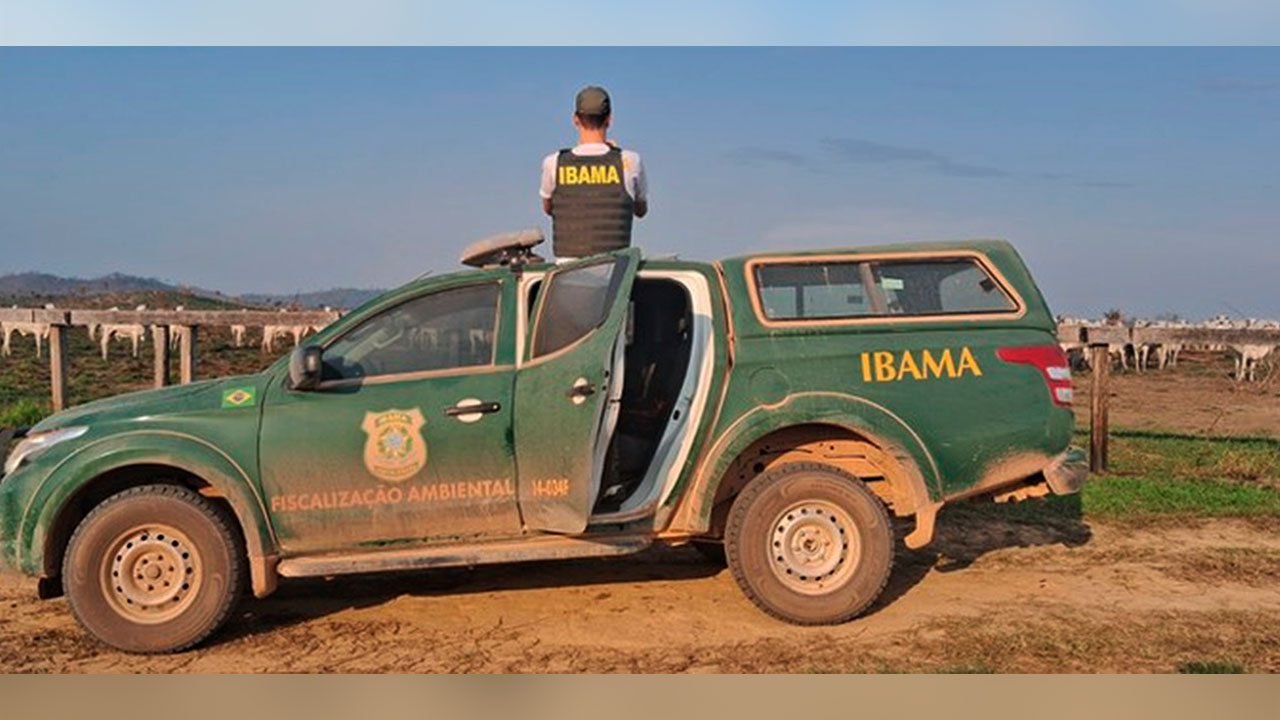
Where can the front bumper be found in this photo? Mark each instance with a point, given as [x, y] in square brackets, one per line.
[1067, 473]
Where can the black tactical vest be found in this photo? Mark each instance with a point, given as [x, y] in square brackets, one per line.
[591, 210]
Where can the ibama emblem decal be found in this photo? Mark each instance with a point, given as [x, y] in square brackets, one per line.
[394, 449]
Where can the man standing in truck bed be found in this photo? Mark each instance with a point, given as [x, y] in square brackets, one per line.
[592, 190]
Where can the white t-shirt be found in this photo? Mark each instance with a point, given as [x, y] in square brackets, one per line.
[632, 170]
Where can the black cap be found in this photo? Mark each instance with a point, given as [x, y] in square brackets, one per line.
[592, 100]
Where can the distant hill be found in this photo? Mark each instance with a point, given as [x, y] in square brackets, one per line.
[44, 284]
[34, 288]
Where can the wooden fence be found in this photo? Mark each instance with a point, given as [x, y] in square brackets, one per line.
[1190, 335]
[1100, 339]
[184, 324]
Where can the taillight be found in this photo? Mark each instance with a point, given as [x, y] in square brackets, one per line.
[1052, 364]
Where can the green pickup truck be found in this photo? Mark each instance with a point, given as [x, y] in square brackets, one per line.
[784, 406]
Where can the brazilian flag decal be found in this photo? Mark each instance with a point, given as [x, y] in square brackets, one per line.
[238, 397]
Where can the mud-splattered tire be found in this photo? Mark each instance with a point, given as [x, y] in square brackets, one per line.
[809, 544]
[153, 569]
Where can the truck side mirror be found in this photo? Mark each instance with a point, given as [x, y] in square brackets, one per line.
[306, 367]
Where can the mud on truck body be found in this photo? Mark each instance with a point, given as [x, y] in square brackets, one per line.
[783, 406]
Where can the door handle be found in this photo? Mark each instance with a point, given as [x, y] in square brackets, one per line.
[581, 390]
[483, 408]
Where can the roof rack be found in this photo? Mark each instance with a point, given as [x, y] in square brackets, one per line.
[509, 248]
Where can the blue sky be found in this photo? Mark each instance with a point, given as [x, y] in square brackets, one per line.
[1144, 179]
[563, 22]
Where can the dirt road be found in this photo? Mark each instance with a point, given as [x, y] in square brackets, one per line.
[1002, 597]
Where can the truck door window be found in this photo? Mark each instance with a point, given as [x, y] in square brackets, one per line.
[442, 330]
[576, 301]
[812, 290]
[941, 286]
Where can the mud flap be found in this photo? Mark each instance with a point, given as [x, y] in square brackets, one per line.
[926, 520]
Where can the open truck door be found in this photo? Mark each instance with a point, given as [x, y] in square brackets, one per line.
[564, 389]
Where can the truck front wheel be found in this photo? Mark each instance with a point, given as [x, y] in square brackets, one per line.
[809, 544]
[153, 569]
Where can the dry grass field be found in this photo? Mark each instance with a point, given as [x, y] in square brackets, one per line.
[1198, 397]
[24, 379]
[1170, 562]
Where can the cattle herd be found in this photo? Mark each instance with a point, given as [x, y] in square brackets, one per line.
[105, 333]
[1140, 344]
[1145, 344]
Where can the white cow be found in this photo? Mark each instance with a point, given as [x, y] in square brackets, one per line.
[1247, 358]
[133, 331]
[1166, 353]
[269, 335]
[271, 332]
[1073, 349]
[93, 328]
[237, 335]
[40, 331]
[175, 339]
[1117, 351]
[1076, 352]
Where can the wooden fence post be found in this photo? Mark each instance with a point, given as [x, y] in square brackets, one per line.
[58, 365]
[160, 338]
[187, 340]
[1100, 361]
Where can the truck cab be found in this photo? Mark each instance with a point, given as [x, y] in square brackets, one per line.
[782, 406]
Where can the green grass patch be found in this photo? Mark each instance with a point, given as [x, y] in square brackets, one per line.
[1169, 474]
[1255, 460]
[1110, 496]
[1155, 474]
[1145, 453]
[1212, 667]
[1136, 498]
[1171, 435]
[22, 413]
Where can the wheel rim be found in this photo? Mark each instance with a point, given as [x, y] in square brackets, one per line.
[152, 573]
[814, 547]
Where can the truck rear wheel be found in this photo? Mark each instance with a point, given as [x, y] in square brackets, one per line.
[809, 544]
[153, 569]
